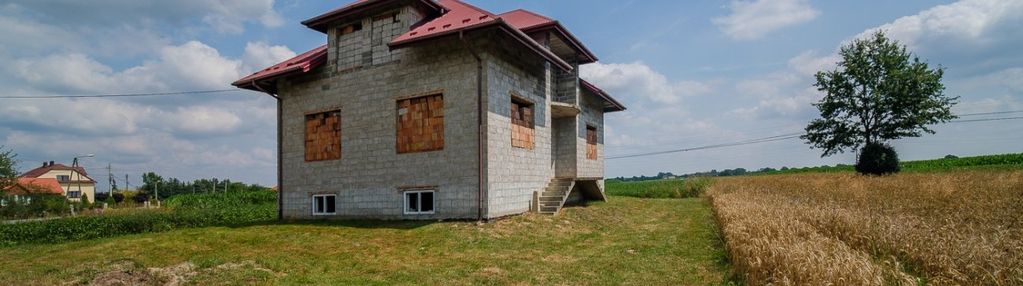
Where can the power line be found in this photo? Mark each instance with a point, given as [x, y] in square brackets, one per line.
[122, 94]
[990, 113]
[986, 119]
[780, 138]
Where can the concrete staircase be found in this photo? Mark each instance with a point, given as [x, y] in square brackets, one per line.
[553, 197]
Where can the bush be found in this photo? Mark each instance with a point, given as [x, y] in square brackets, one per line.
[118, 197]
[85, 201]
[215, 210]
[101, 197]
[878, 159]
[34, 206]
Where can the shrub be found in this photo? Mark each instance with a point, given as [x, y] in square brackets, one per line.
[85, 201]
[100, 197]
[118, 197]
[878, 159]
[187, 211]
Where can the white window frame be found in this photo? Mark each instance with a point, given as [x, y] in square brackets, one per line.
[419, 197]
[324, 196]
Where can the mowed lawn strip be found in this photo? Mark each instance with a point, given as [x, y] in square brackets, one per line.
[624, 241]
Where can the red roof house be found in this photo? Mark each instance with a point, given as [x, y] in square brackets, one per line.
[35, 185]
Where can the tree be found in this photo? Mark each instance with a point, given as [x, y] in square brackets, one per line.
[879, 92]
[8, 168]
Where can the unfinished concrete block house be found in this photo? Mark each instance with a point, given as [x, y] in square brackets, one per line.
[421, 109]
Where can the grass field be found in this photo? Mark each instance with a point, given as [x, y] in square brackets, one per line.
[688, 188]
[989, 162]
[941, 228]
[624, 241]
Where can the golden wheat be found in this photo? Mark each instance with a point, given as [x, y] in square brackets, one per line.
[956, 228]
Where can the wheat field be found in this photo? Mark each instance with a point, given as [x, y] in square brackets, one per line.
[949, 228]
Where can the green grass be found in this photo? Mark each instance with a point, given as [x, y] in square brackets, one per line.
[688, 188]
[623, 241]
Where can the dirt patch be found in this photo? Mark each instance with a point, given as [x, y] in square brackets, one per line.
[128, 272]
[124, 272]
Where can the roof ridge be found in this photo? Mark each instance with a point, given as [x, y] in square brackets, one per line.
[478, 9]
[531, 13]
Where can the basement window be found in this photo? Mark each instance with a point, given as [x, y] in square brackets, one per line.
[420, 126]
[324, 204]
[323, 136]
[591, 142]
[419, 202]
[522, 124]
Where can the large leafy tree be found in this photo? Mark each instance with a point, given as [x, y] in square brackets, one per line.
[878, 92]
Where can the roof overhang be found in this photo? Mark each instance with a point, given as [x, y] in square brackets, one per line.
[503, 26]
[263, 80]
[610, 104]
[321, 22]
[556, 27]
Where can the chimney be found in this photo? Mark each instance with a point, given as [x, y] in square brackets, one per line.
[44, 163]
[51, 163]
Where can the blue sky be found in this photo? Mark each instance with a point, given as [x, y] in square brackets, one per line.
[692, 73]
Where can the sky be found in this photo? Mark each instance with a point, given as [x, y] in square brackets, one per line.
[692, 73]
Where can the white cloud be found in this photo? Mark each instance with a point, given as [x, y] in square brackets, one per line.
[750, 20]
[261, 55]
[637, 80]
[809, 63]
[968, 22]
[192, 65]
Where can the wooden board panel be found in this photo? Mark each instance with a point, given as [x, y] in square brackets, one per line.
[420, 124]
[323, 136]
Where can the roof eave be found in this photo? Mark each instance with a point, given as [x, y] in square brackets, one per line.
[516, 33]
[556, 25]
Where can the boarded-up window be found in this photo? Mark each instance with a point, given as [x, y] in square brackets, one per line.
[522, 127]
[421, 124]
[591, 142]
[323, 136]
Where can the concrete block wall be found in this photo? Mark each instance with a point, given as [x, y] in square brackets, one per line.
[515, 173]
[566, 147]
[368, 47]
[592, 114]
[371, 176]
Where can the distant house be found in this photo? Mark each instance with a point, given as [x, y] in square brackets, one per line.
[420, 109]
[74, 182]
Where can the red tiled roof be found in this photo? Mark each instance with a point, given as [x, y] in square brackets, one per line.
[35, 173]
[462, 17]
[610, 104]
[525, 20]
[530, 22]
[320, 22]
[47, 185]
[304, 63]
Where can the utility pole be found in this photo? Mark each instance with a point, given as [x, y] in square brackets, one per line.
[110, 180]
[127, 185]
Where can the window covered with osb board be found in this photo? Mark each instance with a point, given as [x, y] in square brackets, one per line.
[591, 142]
[523, 133]
[323, 136]
[420, 124]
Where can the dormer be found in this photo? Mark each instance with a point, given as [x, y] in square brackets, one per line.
[358, 34]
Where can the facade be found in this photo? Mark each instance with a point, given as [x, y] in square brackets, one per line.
[74, 182]
[416, 109]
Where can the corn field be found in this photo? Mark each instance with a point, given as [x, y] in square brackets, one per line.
[950, 228]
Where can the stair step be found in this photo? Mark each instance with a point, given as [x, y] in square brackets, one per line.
[548, 209]
[551, 198]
